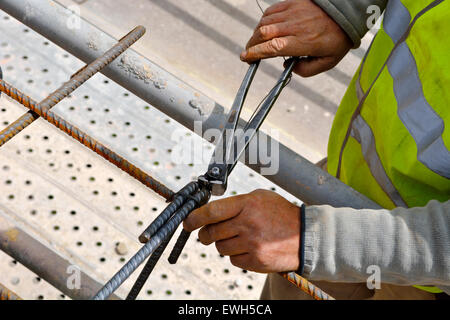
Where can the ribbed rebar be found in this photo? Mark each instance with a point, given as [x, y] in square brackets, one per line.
[6, 294]
[67, 88]
[147, 270]
[88, 141]
[306, 286]
[178, 200]
[155, 241]
[179, 246]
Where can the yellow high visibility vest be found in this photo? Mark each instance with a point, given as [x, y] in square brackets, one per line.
[391, 136]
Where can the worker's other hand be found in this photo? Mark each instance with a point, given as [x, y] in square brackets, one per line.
[260, 231]
[299, 28]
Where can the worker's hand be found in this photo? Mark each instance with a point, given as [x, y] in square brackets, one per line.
[260, 231]
[299, 28]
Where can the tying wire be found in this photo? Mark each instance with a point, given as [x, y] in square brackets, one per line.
[270, 92]
[262, 11]
[260, 7]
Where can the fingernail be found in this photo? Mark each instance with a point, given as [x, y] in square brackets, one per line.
[243, 55]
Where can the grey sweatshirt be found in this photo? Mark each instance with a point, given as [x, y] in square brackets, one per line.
[351, 15]
[409, 246]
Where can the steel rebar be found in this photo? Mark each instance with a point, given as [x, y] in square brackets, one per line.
[178, 200]
[306, 286]
[75, 81]
[147, 270]
[88, 141]
[179, 246]
[6, 294]
[155, 241]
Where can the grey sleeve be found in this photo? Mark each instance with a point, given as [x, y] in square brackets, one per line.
[351, 15]
[410, 246]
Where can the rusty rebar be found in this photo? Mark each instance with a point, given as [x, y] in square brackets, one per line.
[6, 294]
[306, 286]
[75, 81]
[88, 141]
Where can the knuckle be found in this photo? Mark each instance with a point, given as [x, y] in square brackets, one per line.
[210, 233]
[236, 261]
[220, 247]
[188, 225]
[252, 246]
[214, 208]
[203, 236]
[265, 32]
[259, 259]
[277, 44]
[250, 202]
[256, 198]
[258, 192]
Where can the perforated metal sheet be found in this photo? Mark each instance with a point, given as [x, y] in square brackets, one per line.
[82, 204]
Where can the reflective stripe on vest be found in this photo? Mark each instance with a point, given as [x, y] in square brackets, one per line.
[417, 115]
[363, 134]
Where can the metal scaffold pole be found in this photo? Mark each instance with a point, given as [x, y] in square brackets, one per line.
[45, 262]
